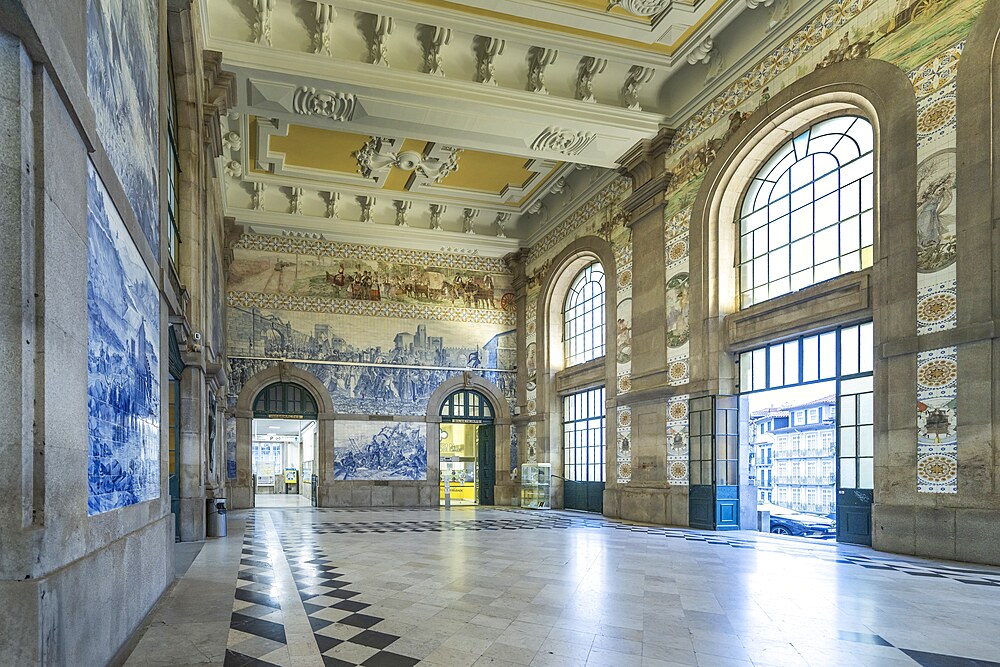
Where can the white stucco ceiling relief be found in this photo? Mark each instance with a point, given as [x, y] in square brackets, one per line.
[433, 88]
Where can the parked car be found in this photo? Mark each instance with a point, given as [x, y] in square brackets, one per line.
[786, 521]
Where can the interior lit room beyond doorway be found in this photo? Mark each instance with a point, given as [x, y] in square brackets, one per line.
[283, 462]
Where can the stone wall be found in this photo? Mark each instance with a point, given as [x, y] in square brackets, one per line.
[65, 556]
[932, 497]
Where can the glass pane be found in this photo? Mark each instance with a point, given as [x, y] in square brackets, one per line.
[746, 372]
[866, 411]
[722, 478]
[759, 369]
[810, 359]
[828, 355]
[791, 362]
[866, 445]
[848, 411]
[848, 442]
[777, 357]
[848, 474]
[849, 351]
[866, 348]
[866, 474]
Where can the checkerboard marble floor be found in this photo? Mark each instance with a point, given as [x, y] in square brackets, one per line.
[471, 586]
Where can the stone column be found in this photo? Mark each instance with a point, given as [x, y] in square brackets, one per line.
[191, 451]
[647, 497]
[518, 264]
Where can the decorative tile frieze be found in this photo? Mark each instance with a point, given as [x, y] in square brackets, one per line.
[834, 17]
[321, 248]
[937, 72]
[614, 192]
[937, 468]
[315, 304]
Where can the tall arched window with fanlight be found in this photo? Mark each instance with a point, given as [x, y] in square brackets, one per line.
[583, 316]
[808, 213]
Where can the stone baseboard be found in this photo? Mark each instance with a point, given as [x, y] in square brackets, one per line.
[658, 505]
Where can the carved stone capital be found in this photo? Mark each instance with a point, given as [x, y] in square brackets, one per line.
[647, 158]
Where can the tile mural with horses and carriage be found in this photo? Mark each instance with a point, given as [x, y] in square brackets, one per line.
[338, 271]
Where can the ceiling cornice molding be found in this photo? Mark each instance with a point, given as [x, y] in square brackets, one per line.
[434, 108]
[775, 37]
[594, 188]
[615, 25]
[250, 59]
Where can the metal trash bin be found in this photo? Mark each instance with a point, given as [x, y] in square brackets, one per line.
[216, 524]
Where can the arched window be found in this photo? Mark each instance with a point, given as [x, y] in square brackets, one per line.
[583, 316]
[808, 214]
[467, 405]
[284, 399]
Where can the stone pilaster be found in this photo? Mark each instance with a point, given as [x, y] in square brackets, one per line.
[647, 496]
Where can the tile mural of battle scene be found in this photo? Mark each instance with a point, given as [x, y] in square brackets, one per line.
[367, 279]
[380, 451]
[123, 365]
[276, 334]
[372, 389]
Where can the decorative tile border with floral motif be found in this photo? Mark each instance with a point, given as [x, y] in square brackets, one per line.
[322, 248]
[677, 440]
[623, 449]
[835, 16]
[937, 421]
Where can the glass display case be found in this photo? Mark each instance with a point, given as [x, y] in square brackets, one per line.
[535, 481]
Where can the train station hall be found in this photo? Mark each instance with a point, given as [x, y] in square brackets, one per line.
[510, 333]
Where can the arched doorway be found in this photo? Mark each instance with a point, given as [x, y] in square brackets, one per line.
[283, 446]
[467, 449]
[298, 405]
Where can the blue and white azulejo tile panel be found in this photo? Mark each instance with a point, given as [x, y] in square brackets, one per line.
[123, 362]
[123, 82]
[380, 451]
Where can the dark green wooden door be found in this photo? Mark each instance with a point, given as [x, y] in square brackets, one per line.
[487, 460]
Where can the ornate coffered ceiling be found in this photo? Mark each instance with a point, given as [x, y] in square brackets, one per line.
[362, 165]
[449, 120]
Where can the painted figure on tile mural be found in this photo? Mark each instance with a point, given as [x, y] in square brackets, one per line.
[338, 279]
[934, 201]
[624, 340]
[474, 360]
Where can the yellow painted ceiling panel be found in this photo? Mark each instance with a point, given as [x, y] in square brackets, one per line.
[331, 151]
[487, 172]
[316, 148]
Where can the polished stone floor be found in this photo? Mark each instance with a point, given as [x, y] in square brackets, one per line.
[469, 586]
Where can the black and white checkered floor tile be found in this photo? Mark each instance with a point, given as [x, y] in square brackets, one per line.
[553, 521]
[343, 633]
[346, 635]
[255, 631]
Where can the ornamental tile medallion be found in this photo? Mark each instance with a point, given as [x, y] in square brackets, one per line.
[937, 468]
[937, 307]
